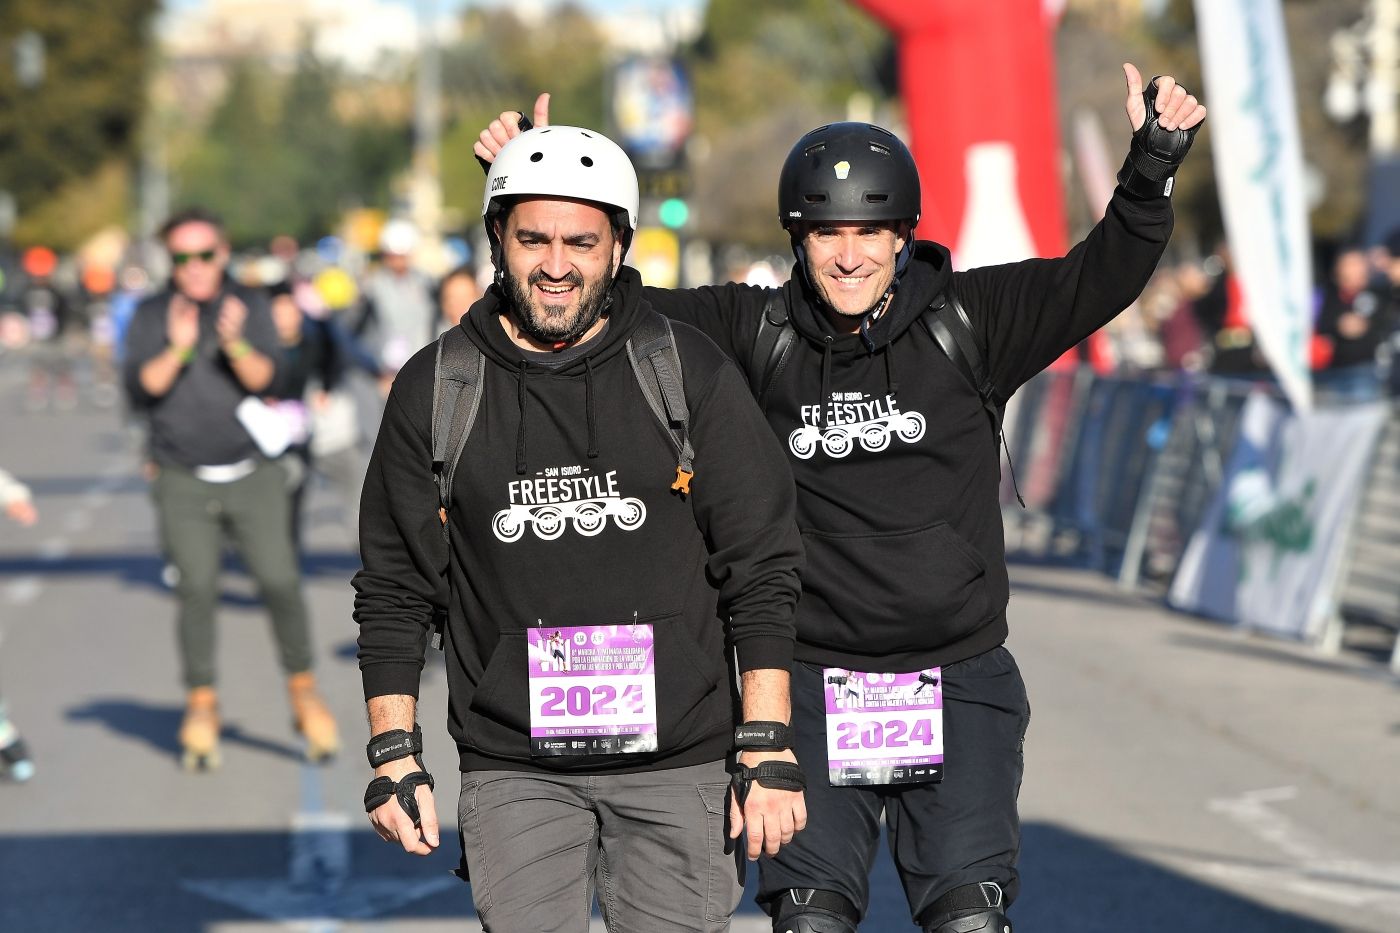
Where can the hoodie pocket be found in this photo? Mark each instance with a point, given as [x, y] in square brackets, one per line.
[689, 699]
[893, 591]
[692, 704]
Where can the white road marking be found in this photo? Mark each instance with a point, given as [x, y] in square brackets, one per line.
[23, 590]
[1314, 869]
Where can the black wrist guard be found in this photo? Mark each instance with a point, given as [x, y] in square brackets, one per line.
[762, 736]
[1156, 153]
[393, 745]
[383, 788]
[775, 775]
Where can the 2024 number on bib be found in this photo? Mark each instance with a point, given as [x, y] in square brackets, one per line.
[592, 690]
[883, 728]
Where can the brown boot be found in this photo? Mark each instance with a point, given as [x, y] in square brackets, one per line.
[311, 718]
[199, 732]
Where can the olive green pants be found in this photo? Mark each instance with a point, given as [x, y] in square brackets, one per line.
[194, 516]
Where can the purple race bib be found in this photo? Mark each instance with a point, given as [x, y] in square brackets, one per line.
[883, 728]
[592, 690]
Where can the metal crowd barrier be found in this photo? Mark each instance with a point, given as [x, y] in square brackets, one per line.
[1117, 473]
[1370, 582]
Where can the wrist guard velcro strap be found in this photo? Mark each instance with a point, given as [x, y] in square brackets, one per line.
[1155, 153]
[774, 775]
[378, 793]
[763, 736]
[393, 745]
[383, 788]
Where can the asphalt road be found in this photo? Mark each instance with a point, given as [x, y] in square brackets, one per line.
[1179, 777]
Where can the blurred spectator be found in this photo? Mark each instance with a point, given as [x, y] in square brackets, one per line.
[133, 284]
[398, 316]
[1356, 320]
[316, 353]
[99, 283]
[1392, 284]
[15, 763]
[457, 292]
[195, 354]
[1183, 341]
[1224, 318]
[51, 321]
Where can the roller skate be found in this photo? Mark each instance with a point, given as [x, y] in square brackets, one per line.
[15, 762]
[199, 732]
[311, 718]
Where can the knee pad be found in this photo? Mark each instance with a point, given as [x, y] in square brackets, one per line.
[807, 910]
[970, 908]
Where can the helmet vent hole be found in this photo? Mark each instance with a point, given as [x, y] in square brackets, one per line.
[814, 198]
[587, 162]
[535, 157]
[813, 150]
[876, 198]
[589, 135]
[877, 148]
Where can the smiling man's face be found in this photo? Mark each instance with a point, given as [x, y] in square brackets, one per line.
[560, 257]
[851, 264]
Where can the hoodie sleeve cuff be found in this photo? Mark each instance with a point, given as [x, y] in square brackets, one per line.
[764, 651]
[390, 678]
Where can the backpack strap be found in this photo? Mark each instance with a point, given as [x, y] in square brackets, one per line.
[951, 328]
[457, 386]
[771, 346]
[652, 352]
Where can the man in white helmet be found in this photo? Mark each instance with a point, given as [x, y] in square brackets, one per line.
[593, 590]
[399, 313]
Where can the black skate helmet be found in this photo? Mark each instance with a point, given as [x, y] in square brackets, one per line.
[848, 172]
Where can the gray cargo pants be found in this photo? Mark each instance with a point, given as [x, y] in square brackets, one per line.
[651, 845]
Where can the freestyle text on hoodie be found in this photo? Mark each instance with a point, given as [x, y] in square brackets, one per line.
[897, 480]
[711, 571]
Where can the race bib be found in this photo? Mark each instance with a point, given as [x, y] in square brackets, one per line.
[43, 323]
[883, 728]
[592, 690]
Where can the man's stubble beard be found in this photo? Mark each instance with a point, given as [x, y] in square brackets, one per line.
[546, 325]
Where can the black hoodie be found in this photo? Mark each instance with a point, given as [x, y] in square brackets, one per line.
[898, 494]
[728, 551]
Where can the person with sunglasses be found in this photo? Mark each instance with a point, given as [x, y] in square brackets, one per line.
[195, 352]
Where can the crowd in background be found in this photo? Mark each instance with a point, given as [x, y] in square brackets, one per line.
[346, 322]
[1193, 316]
[67, 319]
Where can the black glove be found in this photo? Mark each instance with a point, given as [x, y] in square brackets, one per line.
[1156, 153]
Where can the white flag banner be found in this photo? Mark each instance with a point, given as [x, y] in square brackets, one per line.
[1268, 553]
[1259, 170]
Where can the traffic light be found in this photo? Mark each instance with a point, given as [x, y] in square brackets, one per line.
[673, 213]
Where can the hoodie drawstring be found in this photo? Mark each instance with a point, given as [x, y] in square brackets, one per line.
[588, 404]
[890, 381]
[826, 377]
[520, 468]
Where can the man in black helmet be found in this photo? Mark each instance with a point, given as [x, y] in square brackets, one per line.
[888, 399]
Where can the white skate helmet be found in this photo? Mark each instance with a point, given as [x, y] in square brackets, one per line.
[399, 237]
[566, 162]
